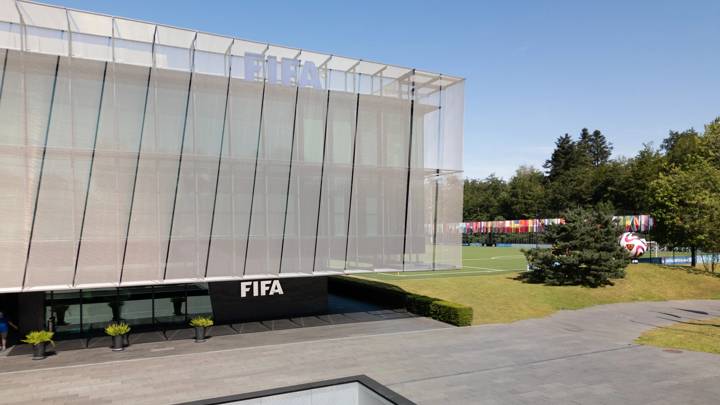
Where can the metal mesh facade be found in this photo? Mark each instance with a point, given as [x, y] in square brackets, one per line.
[134, 153]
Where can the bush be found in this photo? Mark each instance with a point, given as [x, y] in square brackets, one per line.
[419, 304]
[37, 337]
[201, 322]
[585, 251]
[452, 313]
[117, 329]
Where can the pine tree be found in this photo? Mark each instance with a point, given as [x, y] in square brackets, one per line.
[585, 251]
[601, 149]
[595, 146]
[565, 157]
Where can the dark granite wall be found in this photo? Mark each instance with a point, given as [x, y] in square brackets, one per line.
[301, 296]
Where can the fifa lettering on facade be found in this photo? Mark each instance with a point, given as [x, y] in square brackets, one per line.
[260, 288]
[291, 72]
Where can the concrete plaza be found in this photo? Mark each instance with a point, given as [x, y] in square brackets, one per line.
[583, 357]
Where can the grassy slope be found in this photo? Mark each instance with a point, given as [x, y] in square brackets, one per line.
[498, 298]
[701, 336]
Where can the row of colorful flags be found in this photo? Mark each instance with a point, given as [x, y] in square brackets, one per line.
[510, 226]
[631, 223]
[636, 223]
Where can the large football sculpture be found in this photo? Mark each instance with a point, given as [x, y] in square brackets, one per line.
[634, 244]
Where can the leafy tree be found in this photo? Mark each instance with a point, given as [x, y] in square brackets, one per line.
[682, 148]
[633, 194]
[525, 197]
[585, 251]
[483, 199]
[686, 207]
[685, 197]
[711, 141]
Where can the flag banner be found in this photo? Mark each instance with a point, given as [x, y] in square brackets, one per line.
[630, 223]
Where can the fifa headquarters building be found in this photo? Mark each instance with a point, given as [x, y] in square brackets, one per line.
[152, 173]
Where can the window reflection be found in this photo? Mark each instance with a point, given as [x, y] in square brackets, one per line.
[87, 312]
[99, 308]
[64, 308]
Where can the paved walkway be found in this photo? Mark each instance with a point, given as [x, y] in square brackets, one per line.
[585, 356]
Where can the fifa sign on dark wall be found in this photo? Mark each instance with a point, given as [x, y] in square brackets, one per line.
[252, 300]
[260, 288]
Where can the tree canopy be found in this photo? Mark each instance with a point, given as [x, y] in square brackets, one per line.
[678, 183]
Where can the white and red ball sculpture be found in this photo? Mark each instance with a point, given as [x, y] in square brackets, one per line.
[634, 244]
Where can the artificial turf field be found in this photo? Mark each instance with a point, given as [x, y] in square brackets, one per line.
[477, 261]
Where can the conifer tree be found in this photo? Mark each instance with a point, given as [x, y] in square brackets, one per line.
[565, 157]
[585, 251]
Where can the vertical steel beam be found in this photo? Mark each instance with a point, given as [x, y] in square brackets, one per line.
[92, 164]
[42, 168]
[322, 174]
[352, 177]
[180, 159]
[409, 168]
[2, 77]
[135, 175]
[437, 183]
[287, 193]
[140, 142]
[257, 156]
[217, 173]
[435, 217]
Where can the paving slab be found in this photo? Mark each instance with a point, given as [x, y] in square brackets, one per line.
[220, 330]
[180, 334]
[363, 316]
[397, 315]
[382, 312]
[280, 324]
[19, 350]
[146, 337]
[336, 319]
[572, 357]
[310, 321]
[250, 327]
[99, 341]
[71, 344]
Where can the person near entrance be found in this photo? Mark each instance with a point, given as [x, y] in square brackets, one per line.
[4, 324]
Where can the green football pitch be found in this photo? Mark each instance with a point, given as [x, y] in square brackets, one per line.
[477, 261]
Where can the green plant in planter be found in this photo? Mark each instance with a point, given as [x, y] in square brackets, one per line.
[118, 330]
[201, 323]
[39, 339]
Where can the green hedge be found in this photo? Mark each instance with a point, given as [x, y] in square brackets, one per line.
[388, 294]
[452, 313]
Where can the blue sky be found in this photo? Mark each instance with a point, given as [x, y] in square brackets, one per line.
[535, 69]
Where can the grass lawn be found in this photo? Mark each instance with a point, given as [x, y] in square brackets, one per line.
[487, 284]
[699, 336]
